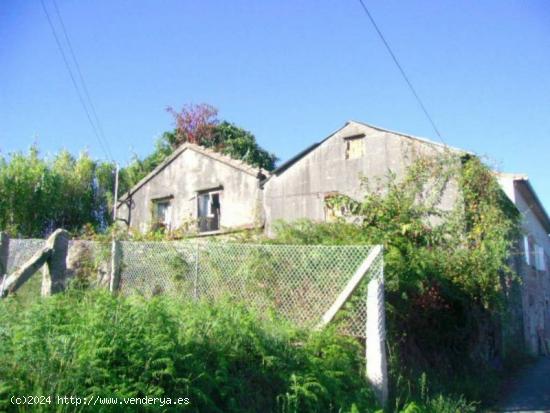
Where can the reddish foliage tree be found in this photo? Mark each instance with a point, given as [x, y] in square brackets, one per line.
[195, 123]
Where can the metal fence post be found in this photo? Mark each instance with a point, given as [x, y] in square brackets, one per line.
[116, 257]
[377, 370]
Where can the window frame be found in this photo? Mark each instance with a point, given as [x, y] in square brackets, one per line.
[210, 213]
[349, 152]
[157, 202]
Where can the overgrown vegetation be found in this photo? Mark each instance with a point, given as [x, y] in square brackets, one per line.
[446, 269]
[448, 284]
[223, 357]
[199, 124]
[39, 194]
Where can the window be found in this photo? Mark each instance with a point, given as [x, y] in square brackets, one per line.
[526, 250]
[333, 211]
[337, 206]
[540, 263]
[354, 146]
[162, 213]
[208, 211]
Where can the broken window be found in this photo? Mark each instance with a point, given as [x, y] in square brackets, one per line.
[337, 206]
[354, 146]
[208, 211]
[333, 210]
[162, 212]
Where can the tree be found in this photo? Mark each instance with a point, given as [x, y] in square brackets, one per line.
[194, 124]
[199, 124]
[38, 195]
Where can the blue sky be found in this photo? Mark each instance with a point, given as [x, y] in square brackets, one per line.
[289, 71]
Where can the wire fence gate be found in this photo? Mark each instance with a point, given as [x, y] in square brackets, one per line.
[309, 285]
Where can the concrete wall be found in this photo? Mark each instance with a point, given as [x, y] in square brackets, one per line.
[192, 171]
[299, 191]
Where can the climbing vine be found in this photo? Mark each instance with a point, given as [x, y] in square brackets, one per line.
[448, 231]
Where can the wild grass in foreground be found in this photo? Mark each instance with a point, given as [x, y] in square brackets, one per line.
[223, 357]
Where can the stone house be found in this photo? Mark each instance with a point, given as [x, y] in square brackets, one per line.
[197, 188]
[532, 263]
[202, 189]
[300, 187]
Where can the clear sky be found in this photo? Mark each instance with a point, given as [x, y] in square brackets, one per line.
[289, 71]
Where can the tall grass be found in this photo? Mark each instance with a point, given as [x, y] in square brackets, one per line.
[223, 357]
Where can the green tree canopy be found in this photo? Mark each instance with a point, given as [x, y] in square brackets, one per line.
[199, 124]
[38, 195]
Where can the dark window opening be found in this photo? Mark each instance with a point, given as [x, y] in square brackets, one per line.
[161, 214]
[209, 211]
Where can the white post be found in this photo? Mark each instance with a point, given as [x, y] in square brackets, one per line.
[116, 193]
[377, 370]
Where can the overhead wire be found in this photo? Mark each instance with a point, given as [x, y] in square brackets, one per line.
[402, 71]
[81, 77]
[95, 128]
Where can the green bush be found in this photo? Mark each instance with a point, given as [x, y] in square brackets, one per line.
[447, 277]
[224, 358]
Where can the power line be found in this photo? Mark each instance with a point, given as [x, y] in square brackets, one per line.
[409, 83]
[84, 86]
[75, 84]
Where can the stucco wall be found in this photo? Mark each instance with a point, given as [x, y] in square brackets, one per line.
[190, 172]
[299, 191]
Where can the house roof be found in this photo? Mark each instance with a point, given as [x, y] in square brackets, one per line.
[283, 167]
[416, 138]
[522, 183]
[234, 163]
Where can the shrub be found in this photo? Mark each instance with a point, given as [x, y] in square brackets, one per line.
[447, 272]
[224, 358]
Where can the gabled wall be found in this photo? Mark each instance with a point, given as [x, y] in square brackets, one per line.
[192, 171]
[300, 190]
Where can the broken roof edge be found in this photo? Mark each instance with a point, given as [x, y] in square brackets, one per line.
[235, 163]
[524, 178]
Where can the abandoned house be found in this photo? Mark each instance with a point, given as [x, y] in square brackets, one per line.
[212, 193]
[198, 187]
[533, 261]
[300, 187]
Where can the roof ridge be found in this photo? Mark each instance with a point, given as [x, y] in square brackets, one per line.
[406, 135]
[223, 156]
[228, 160]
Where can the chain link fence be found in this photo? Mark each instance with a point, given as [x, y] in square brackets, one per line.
[299, 282]
[20, 250]
[308, 285]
